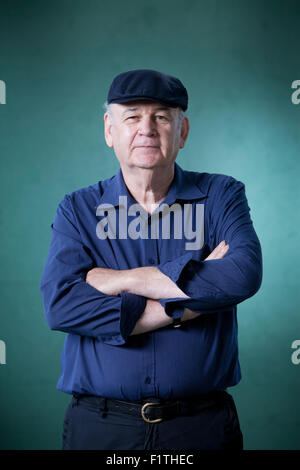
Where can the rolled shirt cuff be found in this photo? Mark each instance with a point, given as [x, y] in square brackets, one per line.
[174, 268]
[132, 307]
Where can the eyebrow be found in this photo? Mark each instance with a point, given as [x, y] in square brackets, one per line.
[161, 108]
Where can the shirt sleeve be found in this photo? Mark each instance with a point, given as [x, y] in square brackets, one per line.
[70, 304]
[216, 285]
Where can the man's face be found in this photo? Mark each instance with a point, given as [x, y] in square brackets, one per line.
[145, 134]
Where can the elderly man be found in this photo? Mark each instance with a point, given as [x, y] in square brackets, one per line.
[144, 273]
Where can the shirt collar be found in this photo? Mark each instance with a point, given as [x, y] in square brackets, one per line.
[183, 186]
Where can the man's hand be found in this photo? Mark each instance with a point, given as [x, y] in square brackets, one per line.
[150, 282]
[219, 252]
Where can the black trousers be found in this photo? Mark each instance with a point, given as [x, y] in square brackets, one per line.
[87, 427]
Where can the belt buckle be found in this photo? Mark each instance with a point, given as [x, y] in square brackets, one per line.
[158, 420]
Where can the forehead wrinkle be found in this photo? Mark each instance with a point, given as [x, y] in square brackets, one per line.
[154, 109]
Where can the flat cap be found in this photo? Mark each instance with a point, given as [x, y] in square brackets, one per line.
[149, 85]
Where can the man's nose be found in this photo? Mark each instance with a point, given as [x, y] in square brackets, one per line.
[147, 126]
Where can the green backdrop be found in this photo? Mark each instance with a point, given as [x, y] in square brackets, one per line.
[238, 60]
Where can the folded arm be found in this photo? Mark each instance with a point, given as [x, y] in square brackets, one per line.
[154, 316]
[111, 304]
[70, 303]
[211, 284]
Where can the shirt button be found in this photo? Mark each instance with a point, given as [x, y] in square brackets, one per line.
[148, 380]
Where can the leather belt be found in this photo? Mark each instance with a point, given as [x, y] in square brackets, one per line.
[154, 410]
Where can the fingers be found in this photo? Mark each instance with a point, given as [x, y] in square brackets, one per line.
[219, 252]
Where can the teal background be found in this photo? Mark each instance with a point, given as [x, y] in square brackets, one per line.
[237, 59]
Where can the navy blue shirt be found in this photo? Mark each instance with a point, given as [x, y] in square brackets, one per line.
[100, 355]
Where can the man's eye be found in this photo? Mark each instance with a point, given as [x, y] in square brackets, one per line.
[131, 117]
[161, 118]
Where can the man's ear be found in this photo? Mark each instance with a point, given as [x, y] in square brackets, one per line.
[185, 128]
[107, 130]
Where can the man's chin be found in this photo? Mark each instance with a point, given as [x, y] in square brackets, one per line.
[147, 161]
[147, 166]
